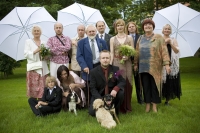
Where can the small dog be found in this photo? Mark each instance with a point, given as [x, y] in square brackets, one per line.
[102, 115]
[72, 98]
[109, 105]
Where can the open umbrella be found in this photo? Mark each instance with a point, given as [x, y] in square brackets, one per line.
[16, 28]
[77, 14]
[185, 27]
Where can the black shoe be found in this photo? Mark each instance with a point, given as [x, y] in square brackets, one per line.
[166, 103]
[141, 102]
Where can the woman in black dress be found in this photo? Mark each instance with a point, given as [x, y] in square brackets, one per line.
[171, 83]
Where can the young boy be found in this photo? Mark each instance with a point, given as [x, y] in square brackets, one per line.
[51, 99]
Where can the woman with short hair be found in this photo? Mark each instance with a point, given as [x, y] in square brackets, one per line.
[37, 69]
[152, 56]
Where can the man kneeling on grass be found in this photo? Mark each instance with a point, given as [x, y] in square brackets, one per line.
[51, 99]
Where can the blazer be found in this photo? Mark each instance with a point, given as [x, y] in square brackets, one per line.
[54, 100]
[84, 54]
[136, 39]
[107, 39]
[98, 81]
[33, 60]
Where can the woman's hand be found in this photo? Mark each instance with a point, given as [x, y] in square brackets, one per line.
[168, 41]
[37, 50]
[168, 70]
[135, 68]
[72, 86]
[65, 94]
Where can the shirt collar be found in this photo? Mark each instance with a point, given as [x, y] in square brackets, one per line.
[101, 34]
[53, 88]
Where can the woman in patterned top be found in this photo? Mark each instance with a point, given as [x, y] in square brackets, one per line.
[152, 56]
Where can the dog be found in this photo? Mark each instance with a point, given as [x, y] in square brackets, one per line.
[102, 115]
[73, 99]
[109, 105]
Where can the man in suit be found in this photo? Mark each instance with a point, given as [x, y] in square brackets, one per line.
[100, 25]
[88, 51]
[104, 80]
[51, 99]
[131, 29]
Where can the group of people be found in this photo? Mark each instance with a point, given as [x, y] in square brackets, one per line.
[96, 69]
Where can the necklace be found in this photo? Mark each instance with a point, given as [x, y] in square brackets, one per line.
[149, 37]
[121, 36]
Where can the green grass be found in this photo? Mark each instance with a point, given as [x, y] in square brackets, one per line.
[180, 117]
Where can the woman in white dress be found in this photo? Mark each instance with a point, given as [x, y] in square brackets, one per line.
[37, 69]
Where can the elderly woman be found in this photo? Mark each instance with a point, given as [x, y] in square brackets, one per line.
[115, 42]
[152, 56]
[37, 70]
[171, 83]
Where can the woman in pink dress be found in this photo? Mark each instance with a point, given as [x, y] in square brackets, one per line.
[37, 70]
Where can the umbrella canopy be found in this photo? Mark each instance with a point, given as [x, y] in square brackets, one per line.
[74, 15]
[16, 28]
[185, 27]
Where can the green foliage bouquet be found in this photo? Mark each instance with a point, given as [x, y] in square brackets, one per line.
[126, 50]
[45, 52]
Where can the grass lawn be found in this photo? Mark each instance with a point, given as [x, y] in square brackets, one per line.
[180, 117]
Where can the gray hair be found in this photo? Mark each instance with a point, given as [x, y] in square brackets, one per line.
[36, 26]
[90, 26]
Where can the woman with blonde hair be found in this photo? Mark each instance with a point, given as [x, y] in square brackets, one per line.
[37, 69]
[171, 83]
[115, 42]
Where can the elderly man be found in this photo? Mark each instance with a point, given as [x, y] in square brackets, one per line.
[59, 46]
[100, 25]
[104, 81]
[88, 51]
[74, 64]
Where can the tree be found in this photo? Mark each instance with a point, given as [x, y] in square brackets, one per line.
[7, 64]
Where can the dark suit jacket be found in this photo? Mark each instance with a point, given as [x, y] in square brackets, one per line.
[136, 39]
[98, 81]
[84, 53]
[107, 39]
[54, 100]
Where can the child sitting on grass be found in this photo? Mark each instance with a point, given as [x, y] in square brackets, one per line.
[51, 99]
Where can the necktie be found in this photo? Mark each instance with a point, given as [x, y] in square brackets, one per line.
[106, 76]
[101, 36]
[93, 49]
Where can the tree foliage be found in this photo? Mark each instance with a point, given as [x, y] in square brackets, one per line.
[129, 10]
[7, 64]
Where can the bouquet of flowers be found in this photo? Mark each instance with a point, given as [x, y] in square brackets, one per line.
[45, 52]
[126, 50]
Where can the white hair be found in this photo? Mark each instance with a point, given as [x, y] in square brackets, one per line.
[36, 26]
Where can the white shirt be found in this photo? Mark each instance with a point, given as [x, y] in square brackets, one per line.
[102, 36]
[51, 90]
[96, 50]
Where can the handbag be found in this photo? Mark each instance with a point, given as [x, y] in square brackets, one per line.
[64, 45]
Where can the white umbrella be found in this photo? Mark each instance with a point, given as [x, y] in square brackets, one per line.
[16, 28]
[185, 27]
[77, 14]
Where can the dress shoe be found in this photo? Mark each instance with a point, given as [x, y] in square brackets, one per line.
[166, 103]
